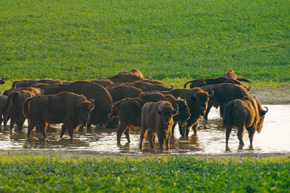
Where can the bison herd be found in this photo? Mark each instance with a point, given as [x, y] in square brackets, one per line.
[128, 100]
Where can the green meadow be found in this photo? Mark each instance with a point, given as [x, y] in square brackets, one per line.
[23, 173]
[171, 40]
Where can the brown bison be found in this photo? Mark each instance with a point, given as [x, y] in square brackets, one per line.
[102, 98]
[103, 82]
[2, 81]
[157, 118]
[244, 113]
[123, 91]
[27, 83]
[208, 81]
[71, 109]
[119, 78]
[147, 86]
[128, 111]
[13, 106]
[197, 101]
[231, 74]
[3, 100]
[223, 93]
[135, 72]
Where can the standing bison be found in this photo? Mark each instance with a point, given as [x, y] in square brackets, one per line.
[157, 118]
[66, 107]
[245, 113]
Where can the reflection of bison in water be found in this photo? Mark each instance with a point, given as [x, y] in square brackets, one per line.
[157, 118]
[245, 113]
[223, 93]
[68, 108]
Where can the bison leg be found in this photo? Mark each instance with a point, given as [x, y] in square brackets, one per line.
[143, 131]
[63, 130]
[240, 135]
[160, 140]
[150, 138]
[31, 126]
[222, 109]
[127, 134]
[167, 140]
[228, 132]
[251, 136]
[207, 111]
[20, 123]
[42, 128]
[12, 123]
[120, 130]
[71, 132]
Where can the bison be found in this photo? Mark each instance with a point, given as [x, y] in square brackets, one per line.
[244, 113]
[157, 118]
[27, 83]
[135, 72]
[2, 81]
[123, 91]
[208, 81]
[128, 111]
[197, 101]
[231, 74]
[147, 86]
[71, 109]
[102, 98]
[119, 78]
[3, 100]
[223, 93]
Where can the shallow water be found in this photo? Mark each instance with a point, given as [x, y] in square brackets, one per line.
[274, 138]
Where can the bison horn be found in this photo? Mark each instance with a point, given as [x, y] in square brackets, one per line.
[266, 109]
[249, 87]
[172, 86]
[2, 77]
[211, 94]
[92, 101]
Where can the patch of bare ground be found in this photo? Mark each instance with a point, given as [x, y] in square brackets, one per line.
[279, 95]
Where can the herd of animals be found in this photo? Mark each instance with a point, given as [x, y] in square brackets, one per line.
[128, 100]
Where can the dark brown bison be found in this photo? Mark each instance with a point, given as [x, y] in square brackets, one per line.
[197, 101]
[128, 111]
[27, 83]
[183, 114]
[147, 86]
[3, 100]
[244, 113]
[223, 93]
[119, 78]
[103, 82]
[13, 106]
[208, 81]
[71, 109]
[135, 72]
[123, 91]
[2, 81]
[231, 74]
[102, 98]
[157, 118]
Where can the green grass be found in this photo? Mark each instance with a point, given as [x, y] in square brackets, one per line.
[165, 39]
[22, 173]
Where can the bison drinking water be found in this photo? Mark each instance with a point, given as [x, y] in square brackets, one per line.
[157, 118]
[245, 113]
[71, 109]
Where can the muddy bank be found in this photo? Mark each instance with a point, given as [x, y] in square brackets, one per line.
[279, 95]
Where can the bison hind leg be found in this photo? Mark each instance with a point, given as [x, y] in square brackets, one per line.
[42, 127]
[63, 130]
[31, 126]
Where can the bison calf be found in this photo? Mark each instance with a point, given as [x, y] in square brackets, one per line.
[244, 113]
[71, 109]
[157, 118]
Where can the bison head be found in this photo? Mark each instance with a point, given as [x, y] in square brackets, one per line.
[84, 108]
[200, 99]
[166, 112]
[183, 111]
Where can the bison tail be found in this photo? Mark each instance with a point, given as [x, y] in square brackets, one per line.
[185, 84]
[26, 107]
[8, 102]
[227, 115]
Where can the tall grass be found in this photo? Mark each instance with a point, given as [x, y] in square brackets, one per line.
[85, 39]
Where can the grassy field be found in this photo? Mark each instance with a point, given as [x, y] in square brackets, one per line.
[173, 40]
[23, 173]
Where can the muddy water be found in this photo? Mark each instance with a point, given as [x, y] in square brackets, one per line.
[274, 138]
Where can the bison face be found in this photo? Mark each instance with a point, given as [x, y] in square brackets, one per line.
[84, 109]
[201, 102]
[183, 111]
[166, 114]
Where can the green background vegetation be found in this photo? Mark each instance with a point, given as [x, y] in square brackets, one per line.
[22, 173]
[173, 40]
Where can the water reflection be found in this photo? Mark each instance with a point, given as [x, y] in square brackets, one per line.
[210, 139]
